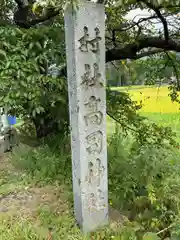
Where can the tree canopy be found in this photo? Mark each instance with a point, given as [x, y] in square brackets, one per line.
[131, 39]
[141, 36]
[32, 39]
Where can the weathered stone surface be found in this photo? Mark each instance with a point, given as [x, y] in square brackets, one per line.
[85, 49]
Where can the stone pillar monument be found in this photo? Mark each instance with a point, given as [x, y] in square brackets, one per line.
[85, 51]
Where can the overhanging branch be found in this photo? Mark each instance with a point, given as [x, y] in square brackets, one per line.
[131, 50]
[159, 15]
[149, 53]
[21, 16]
[141, 20]
[45, 18]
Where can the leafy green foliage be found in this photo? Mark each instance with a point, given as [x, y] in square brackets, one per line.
[26, 89]
[145, 181]
[151, 236]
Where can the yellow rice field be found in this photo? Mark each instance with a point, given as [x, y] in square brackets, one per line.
[157, 106]
[154, 99]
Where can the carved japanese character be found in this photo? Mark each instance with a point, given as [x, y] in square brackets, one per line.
[88, 80]
[94, 142]
[100, 171]
[92, 105]
[97, 75]
[93, 116]
[95, 172]
[84, 40]
[91, 172]
[100, 197]
[92, 201]
[95, 203]
[95, 42]
[87, 75]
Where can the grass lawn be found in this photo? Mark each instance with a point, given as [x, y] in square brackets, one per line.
[38, 208]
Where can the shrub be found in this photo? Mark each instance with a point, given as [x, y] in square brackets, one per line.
[144, 182]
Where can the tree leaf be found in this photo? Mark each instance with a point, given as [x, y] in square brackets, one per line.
[151, 236]
[3, 53]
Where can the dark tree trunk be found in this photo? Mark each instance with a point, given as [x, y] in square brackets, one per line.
[45, 127]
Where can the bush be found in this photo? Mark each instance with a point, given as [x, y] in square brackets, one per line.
[144, 182]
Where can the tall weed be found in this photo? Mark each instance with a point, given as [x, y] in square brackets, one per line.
[48, 162]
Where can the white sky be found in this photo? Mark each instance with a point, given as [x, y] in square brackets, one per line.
[138, 13]
[141, 13]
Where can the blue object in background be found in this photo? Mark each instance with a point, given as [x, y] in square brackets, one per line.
[11, 120]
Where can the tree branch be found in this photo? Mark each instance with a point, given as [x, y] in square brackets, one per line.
[23, 12]
[141, 20]
[117, 121]
[149, 53]
[42, 19]
[130, 50]
[159, 15]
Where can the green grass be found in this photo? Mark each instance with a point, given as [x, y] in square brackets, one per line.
[36, 197]
[166, 119]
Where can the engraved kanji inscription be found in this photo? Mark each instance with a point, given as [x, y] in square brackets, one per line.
[84, 40]
[95, 202]
[91, 172]
[95, 173]
[92, 202]
[100, 171]
[97, 75]
[93, 116]
[100, 198]
[94, 142]
[88, 80]
[94, 43]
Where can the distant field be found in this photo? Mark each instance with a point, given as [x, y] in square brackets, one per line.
[157, 105]
[153, 99]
